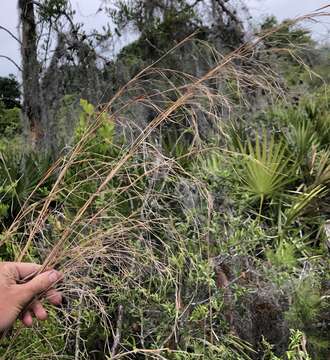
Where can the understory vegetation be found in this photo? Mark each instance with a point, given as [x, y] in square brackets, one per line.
[189, 213]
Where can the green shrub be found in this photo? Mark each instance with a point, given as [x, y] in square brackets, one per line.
[10, 121]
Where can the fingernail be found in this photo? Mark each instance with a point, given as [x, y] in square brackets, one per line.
[54, 276]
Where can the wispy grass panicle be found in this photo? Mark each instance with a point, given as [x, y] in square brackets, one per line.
[130, 222]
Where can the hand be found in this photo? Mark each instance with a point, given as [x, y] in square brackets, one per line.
[14, 297]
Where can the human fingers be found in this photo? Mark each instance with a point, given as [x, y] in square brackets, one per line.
[39, 284]
[27, 319]
[25, 269]
[54, 297]
[38, 310]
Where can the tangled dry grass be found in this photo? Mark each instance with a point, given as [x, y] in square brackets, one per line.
[113, 213]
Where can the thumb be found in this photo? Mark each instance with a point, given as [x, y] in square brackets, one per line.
[39, 284]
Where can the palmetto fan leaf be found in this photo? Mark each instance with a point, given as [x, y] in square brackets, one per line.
[301, 201]
[265, 168]
[302, 136]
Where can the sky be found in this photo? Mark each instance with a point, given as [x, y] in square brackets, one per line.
[86, 12]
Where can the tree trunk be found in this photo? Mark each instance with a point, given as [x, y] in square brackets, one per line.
[32, 100]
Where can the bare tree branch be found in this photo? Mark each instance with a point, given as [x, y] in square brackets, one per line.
[191, 6]
[11, 34]
[12, 61]
[225, 9]
[78, 338]
[116, 339]
[36, 3]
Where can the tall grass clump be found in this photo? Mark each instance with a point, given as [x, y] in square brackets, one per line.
[131, 218]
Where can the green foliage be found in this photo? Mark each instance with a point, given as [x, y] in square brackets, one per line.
[144, 259]
[318, 111]
[10, 121]
[300, 203]
[308, 123]
[31, 345]
[293, 44]
[52, 9]
[103, 137]
[20, 174]
[302, 137]
[10, 92]
[306, 304]
[287, 35]
[177, 145]
[296, 350]
[264, 168]
[150, 17]
[283, 256]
